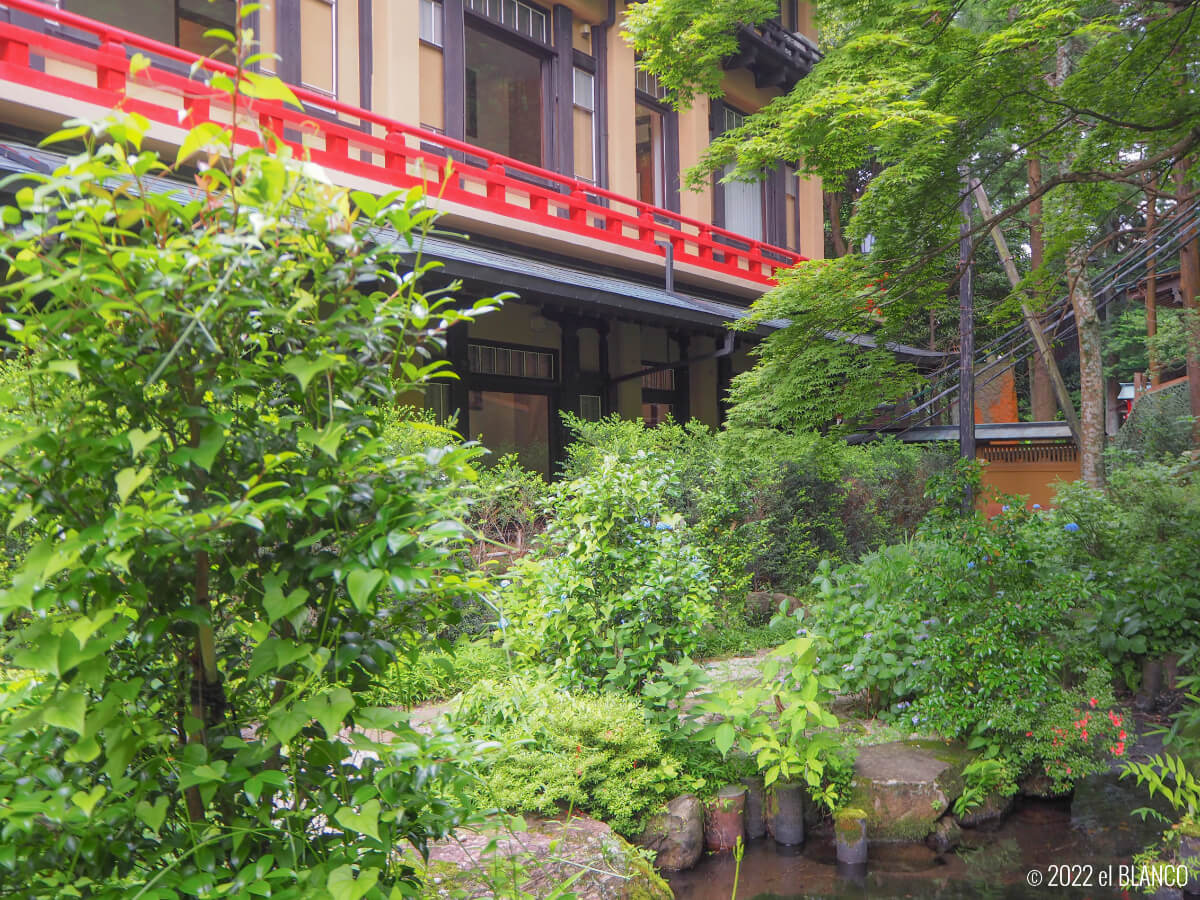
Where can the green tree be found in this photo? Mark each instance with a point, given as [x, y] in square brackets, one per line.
[217, 547]
[1091, 94]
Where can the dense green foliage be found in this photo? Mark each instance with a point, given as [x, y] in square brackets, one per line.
[906, 98]
[1159, 427]
[612, 588]
[431, 675]
[763, 507]
[973, 630]
[1136, 546]
[1127, 348]
[213, 526]
[594, 753]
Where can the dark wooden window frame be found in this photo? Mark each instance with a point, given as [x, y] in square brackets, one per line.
[670, 147]
[774, 188]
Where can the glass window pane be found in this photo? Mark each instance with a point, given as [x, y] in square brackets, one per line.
[744, 207]
[431, 22]
[649, 155]
[514, 423]
[504, 98]
[585, 89]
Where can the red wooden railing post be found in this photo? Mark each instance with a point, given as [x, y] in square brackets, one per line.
[110, 74]
[395, 152]
[14, 52]
[704, 243]
[578, 207]
[497, 191]
[646, 227]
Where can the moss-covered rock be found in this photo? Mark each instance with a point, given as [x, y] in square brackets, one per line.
[904, 787]
[548, 853]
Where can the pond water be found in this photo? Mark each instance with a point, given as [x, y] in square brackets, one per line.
[1094, 829]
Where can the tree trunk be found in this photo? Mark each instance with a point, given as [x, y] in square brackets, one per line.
[1041, 392]
[1091, 370]
[833, 200]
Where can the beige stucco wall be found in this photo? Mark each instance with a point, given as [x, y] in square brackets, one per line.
[396, 84]
[517, 323]
[693, 140]
[702, 382]
[625, 355]
[622, 174]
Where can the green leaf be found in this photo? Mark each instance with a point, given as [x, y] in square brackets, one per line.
[212, 439]
[266, 87]
[304, 370]
[205, 134]
[286, 723]
[129, 479]
[87, 802]
[152, 816]
[255, 784]
[66, 366]
[724, 737]
[139, 440]
[67, 710]
[331, 440]
[330, 710]
[342, 885]
[365, 822]
[138, 63]
[361, 585]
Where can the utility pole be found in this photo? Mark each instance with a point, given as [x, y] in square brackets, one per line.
[966, 341]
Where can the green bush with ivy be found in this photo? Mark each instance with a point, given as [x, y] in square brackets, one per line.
[613, 588]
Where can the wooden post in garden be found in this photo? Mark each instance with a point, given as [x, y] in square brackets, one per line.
[966, 342]
[1152, 284]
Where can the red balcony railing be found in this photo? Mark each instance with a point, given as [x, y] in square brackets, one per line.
[369, 148]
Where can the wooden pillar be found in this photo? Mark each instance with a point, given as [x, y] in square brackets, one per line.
[1152, 287]
[460, 392]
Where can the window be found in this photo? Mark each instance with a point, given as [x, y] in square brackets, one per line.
[655, 413]
[512, 362]
[437, 400]
[520, 17]
[181, 23]
[504, 97]
[743, 200]
[514, 423]
[431, 22]
[648, 84]
[584, 124]
[662, 380]
[650, 154]
[318, 62]
[590, 407]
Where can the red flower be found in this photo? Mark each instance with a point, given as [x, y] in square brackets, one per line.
[1068, 770]
[1083, 735]
[1121, 735]
[1029, 734]
[1093, 702]
[1119, 749]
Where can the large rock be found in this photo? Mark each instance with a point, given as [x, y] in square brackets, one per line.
[761, 606]
[905, 786]
[546, 854]
[993, 807]
[676, 835]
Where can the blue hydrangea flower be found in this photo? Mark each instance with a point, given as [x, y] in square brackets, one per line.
[664, 526]
[1070, 526]
[1037, 506]
[970, 565]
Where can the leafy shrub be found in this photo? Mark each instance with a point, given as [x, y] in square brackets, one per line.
[972, 630]
[1136, 545]
[739, 639]
[216, 525]
[509, 506]
[593, 753]
[764, 506]
[431, 675]
[612, 589]
[1159, 427]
